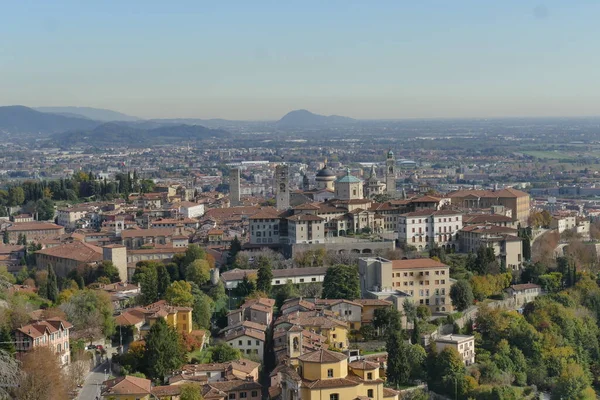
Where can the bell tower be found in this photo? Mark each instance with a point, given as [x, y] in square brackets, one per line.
[294, 342]
[282, 187]
[390, 174]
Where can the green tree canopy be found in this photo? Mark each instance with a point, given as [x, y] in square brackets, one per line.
[163, 352]
[461, 294]
[179, 293]
[341, 282]
[223, 352]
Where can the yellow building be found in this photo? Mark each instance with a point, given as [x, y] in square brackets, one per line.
[326, 375]
[335, 330]
[515, 200]
[179, 318]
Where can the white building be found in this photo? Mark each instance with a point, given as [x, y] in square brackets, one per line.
[191, 210]
[306, 228]
[464, 344]
[232, 278]
[68, 217]
[248, 341]
[563, 223]
[427, 228]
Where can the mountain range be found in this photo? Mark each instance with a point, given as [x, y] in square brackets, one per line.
[97, 114]
[80, 125]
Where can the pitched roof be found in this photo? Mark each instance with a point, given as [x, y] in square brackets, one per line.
[525, 286]
[33, 226]
[304, 217]
[78, 251]
[127, 385]
[128, 233]
[323, 356]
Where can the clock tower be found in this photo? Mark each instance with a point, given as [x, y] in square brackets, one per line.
[282, 187]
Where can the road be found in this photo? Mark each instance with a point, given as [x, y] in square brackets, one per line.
[91, 387]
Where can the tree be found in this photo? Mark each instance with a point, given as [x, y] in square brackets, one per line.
[42, 376]
[193, 253]
[179, 293]
[190, 392]
[203, 307]
[198, 271]
[410, 310]
[16, 196]
[45, 209]
[423, 312]
[223, 352]
[107, 269]
[264, 276]
[7, 276]
[398, 364]
[164, 352]
[285, 292]
[445, 371]
[52, 287]
[91, 313]
[387, 319]
[234, 248]
[6, 341]
[245, 287]
[461, 294]
[149, 284]
[5, 237]
[163, 280]
[341, 282]
[416, 332]
[571, 383]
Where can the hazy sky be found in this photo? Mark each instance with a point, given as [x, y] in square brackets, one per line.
[255, 59]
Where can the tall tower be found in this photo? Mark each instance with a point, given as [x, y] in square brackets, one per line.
[390, 174]
[282, 186]
[234, 187]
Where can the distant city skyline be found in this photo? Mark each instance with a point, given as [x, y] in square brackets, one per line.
[259, 60]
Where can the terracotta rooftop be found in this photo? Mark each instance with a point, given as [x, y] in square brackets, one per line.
[323, 356]
[78, 251]
[33, 226]
[127, 385]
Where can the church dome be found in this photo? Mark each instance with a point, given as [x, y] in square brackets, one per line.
[325, 173]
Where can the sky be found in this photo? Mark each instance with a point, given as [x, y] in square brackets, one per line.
[257, 60]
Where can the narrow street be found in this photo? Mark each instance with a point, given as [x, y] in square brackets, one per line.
[91, 387]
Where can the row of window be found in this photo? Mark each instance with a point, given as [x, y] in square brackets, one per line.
[249, 342]
[277, 282]
[243, 395]
[422, 220]
[421, 283]
[449, 230]
[441, 238]
[422, 273]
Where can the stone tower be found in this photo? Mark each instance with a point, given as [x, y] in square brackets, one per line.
[294, 342]
[234, 187]
[282, 187]
[305, 183]
[390, 174]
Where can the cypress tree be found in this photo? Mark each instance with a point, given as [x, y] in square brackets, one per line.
[52, 286]
[416, 332]
[5, 238]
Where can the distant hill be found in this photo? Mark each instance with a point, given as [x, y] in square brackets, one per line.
[307, 119]
[98, 114]
[21, 119]
[123, 134]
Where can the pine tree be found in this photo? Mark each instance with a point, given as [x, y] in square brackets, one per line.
[416, 332]
[52, 286]
[264, 276]
[398, 365]
[234, 249]
[164, 352]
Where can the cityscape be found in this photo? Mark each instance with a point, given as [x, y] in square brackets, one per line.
[212, 235]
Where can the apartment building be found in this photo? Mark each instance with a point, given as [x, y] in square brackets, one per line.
[52, 333]
[508, 247]
[264, 227]
[424, 281]
[464, 344]
[515, 200]
[427, 228]
[306, 228]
